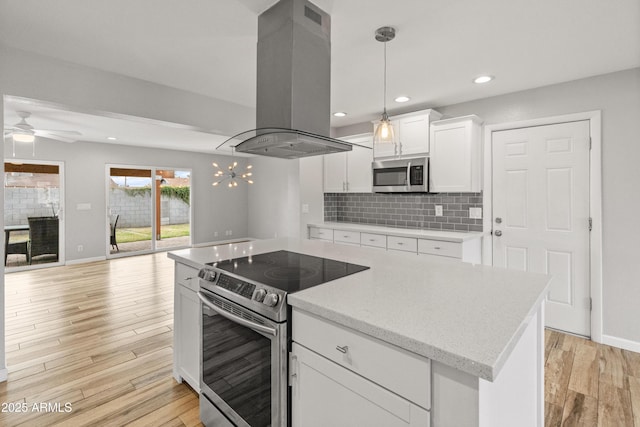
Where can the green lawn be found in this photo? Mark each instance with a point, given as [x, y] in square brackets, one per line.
[126, 235]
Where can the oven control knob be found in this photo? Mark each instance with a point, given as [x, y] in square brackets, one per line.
[271, 300]
[259, 295]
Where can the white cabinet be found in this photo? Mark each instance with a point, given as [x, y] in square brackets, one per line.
[316, 233]
[412, 135]
[468, 250]
[455, 164]
[342, 377]
[404, 244]
[186, 326]
[349, 172]
[346, 237]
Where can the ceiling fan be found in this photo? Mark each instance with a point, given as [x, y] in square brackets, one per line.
[25, 132]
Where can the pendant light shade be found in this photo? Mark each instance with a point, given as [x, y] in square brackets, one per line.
[384, 130]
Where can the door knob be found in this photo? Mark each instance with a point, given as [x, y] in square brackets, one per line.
[498, 233]
[498, 220]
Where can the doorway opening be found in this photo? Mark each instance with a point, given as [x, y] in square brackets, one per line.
[149, 209]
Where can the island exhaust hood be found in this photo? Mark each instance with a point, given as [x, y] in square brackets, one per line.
[293, 85]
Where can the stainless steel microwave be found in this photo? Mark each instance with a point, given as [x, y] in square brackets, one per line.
[401, 176]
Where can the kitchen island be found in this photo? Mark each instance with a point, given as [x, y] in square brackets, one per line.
[461, 344]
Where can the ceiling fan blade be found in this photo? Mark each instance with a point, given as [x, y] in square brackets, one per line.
[50, 135]
[66, 132]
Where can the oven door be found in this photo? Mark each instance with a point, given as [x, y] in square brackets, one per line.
[243, 366]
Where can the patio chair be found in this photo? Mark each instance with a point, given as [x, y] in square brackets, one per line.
[113, 234]
[43, 237]
[17, 248]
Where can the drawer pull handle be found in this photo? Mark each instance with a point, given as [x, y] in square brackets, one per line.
[436, 247]
[346, 237]
[342, 349]
[400, 243]
[188, 278]
[372, 240]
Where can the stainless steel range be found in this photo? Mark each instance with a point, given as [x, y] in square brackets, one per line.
[245, 334]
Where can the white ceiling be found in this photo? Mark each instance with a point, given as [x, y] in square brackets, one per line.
[209, 47]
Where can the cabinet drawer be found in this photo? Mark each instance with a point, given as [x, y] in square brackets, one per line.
[321, 233]
[187, 276]
[437, 247]
[406, 244]
[400, 371]
[352, 237]
[375, 240]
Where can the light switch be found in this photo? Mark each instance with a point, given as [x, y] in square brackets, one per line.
[438, 210]
[305, 208]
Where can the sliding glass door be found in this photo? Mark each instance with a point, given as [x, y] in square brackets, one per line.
[33, 214]
[148, 209]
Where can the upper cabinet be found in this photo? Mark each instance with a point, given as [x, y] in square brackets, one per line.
[455, 164]
[350, 172]
[412, 133]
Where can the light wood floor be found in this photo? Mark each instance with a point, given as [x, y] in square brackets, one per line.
[99, 336]
[589, 384]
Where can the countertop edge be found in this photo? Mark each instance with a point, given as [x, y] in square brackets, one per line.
[461, 363]
[456, 236]
[184, 260]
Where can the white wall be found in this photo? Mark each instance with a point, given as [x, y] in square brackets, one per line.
[89, 90]
[274, 198]
[618, 96]
[281, 188]
[214, 208]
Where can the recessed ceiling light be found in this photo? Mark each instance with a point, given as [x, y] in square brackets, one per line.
[402, 99]
[111, 138]
[340, 114]
[483, 79]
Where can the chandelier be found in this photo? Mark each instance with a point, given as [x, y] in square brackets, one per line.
[232, 175]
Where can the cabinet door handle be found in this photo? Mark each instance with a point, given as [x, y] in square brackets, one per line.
[188, 278]
[342, 349]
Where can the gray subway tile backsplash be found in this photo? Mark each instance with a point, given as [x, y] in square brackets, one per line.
[404, 210]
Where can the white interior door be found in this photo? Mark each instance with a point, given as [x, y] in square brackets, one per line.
[541, 214]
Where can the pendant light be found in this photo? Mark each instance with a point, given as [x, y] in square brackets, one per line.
[384, 130]
[231, 174]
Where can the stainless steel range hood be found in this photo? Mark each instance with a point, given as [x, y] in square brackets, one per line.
[293, 87]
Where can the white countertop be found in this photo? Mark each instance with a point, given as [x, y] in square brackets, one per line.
[469, 317]
[448, 236]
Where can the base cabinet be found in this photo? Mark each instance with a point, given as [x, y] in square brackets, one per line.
[186, 335]
[326, 394]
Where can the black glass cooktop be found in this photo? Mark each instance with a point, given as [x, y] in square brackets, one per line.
[289, 271]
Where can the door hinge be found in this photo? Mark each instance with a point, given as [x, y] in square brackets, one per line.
[590, 223]
[293, 368]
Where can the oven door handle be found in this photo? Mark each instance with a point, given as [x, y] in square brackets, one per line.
[244, 322]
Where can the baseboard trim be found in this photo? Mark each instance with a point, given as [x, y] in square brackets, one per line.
[85, 260]
[621, 343]
[4, 373]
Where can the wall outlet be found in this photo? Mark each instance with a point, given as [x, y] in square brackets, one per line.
[438, 210]
[228, 233]
[305, 208]
[80, 248]
[475, 213]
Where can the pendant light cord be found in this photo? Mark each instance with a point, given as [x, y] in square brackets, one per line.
[384, 95]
